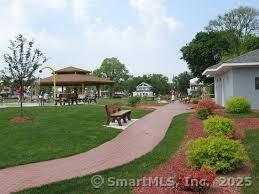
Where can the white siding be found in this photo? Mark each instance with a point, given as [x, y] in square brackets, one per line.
[244, 84]
[223, 88]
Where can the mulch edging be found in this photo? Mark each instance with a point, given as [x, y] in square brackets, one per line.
[20, 119]
[177, 165]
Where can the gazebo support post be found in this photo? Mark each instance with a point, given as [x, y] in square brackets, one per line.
[83, 88]
[113, 90]
[98, 90]
[62, 89]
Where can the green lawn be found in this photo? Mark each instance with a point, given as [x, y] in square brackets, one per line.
[252, 146]
[54, 133]
[104, 101]
[135, 169]
[124, 101]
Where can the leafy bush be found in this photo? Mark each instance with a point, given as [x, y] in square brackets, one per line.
[216, 154]
[203, 113]
[195, 100]
[238, 105]
[206, 103]
[218, 125]
[198, 181]
[133, 101]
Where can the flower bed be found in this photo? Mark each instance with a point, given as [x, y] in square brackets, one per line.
[178, 167]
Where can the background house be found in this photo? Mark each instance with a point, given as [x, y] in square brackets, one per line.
[144, 90]
[195, 86]
[237, 77]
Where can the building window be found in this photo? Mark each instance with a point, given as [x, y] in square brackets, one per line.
[257, 83]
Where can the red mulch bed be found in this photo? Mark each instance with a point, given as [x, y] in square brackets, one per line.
[177, 165]
[247, 123]
[20, 120]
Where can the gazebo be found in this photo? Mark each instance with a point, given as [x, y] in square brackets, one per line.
[72, 76]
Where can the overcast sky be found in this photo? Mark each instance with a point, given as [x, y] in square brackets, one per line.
[146, 35]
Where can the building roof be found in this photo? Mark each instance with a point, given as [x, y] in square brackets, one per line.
[71, 70]
[144, 84]
[249, 59]
[72, 76]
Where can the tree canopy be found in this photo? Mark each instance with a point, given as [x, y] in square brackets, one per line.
[182, 82]
[243, 21]
[207, 48]
[22, 62]
[113, 69]
[159, 83]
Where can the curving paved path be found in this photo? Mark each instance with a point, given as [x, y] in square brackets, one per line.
[135, 141]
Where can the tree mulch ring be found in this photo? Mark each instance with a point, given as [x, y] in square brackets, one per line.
[20, 119]
[178, 165]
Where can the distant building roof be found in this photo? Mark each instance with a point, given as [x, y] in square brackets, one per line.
[194, 80]
[248, 59]
[144, 84]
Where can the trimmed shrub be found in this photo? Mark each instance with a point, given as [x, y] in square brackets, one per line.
[203, 113]
[218, 126]
[238, 104]
[206, 103]
[133, 101]
[195, 100]
[218, 154]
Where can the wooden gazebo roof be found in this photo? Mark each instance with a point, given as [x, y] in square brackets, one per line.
[71, 76]
[69, 70]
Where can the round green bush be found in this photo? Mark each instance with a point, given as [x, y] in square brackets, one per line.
[218, 125]
[195, 100]
[218, 154]
[203, 113]
[133, 101]
[238, 104]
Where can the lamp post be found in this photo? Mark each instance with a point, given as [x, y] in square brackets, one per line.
[54, 78]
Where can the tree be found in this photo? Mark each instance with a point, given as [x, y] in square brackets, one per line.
[159, 83]
[249, 43]
[206, 49]
[113, 69]
[23, 61]
[243, 21]
[182, 82]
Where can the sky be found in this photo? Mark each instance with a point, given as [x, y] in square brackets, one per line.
[145, 35]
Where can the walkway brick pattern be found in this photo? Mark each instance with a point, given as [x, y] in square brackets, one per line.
[135, 141]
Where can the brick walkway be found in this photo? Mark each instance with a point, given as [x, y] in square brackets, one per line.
[133, 142]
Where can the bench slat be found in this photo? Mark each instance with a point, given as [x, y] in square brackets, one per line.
[120, 113]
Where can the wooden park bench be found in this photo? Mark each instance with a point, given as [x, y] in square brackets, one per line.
[115, 113]
[1, 99]
[87, 99]
[62, 99]
[73, 98]
[91, 99]
[82, 98]
[67, 98]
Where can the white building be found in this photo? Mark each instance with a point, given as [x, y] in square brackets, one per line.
[195, 85]
[237, 77]
[144, 90]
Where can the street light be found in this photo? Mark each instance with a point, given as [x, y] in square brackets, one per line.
[54, 78]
